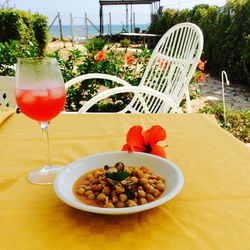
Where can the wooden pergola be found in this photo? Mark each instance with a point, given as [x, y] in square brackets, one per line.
[155, 5]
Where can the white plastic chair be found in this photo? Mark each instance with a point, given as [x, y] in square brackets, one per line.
[7, 92]
[166, 78]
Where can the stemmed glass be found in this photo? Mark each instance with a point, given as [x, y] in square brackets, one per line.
[40, 95]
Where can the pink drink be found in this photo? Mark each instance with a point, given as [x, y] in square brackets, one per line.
[41, 104]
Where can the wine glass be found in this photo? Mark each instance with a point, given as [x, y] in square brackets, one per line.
[40, 95]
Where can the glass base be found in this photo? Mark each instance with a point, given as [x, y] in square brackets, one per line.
[45, 175]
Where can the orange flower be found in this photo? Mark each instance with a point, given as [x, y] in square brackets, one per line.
[146, 141]
[162, 64]
[199, 77]
[201, 65]
[130, 59]
[100, 56]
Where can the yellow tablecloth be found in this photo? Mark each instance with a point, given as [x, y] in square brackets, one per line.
[211, 212]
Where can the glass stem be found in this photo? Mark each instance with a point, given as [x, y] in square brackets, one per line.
[44, 127]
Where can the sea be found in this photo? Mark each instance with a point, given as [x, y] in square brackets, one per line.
[79, 32]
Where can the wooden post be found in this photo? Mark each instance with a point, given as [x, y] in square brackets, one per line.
[71, 28]
[110, 25]
[127, 18]
[133, 21]
[101, 20]
[86, 27]
[60, 26]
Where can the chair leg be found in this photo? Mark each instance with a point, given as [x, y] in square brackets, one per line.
[188, 102]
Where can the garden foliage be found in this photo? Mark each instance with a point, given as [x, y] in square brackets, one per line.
[24, 27]
[101, 57]
[237, 123]
[10, 51]
[226, 33]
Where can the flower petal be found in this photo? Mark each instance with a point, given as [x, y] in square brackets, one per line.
[127, 147]
[158, 150]
[135, 138]
[153, 135]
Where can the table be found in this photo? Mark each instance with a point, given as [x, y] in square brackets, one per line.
[211, 211]
[148, 40]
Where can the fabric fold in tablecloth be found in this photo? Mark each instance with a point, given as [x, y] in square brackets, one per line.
[5, 112]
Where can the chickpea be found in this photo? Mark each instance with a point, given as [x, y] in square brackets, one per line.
[97, 174]
[134, 179]
[89, 177]
[81, 190]
[89, 192]
[151, 181]
[131, 203]
[144, 169]
[113, 193]
[143, 181]
[150, 197]
[160, 187]
[123, 197]
[115, 199]
[99, 187]
[154, 177]
[139, 173]
[87, 188]
[143, 201]
[119, 204]
[160, 177]
[86, 183]
[91, 196]
[101, 197]
[119, 189]
[108, 205]
[93, 187]
[106, 190]
[127, 170]
[156, 193]
[141, 194]
[150, 189]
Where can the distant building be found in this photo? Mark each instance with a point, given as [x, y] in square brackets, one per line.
[154, 6]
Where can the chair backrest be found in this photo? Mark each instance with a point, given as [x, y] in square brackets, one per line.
[7, 91]
[170, 68]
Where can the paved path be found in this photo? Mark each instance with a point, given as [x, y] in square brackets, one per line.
[237, 96]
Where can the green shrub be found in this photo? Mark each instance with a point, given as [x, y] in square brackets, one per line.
[107, 61]
[10, 51]
[125, 43]
[40, 26]
[24, 27]
[237, 123]
[226, 35]
[95, 44]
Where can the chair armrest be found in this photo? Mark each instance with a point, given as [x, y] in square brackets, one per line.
[96, 76]
[131, 89]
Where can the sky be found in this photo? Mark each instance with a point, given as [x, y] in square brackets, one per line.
[78, 8]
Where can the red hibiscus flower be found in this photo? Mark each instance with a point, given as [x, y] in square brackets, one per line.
[201, 65]
[199, 77]
[100, 56]
[146, 141]
[130, 59]
[162, 64]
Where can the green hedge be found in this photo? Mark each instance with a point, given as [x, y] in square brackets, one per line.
[10, 51]
[226, 35]
[24, 27]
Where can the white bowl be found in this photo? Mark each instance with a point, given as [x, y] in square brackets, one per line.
[67, 177]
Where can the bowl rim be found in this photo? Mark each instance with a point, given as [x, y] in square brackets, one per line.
[81, 206]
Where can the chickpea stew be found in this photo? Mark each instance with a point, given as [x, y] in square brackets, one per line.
[119, 186]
